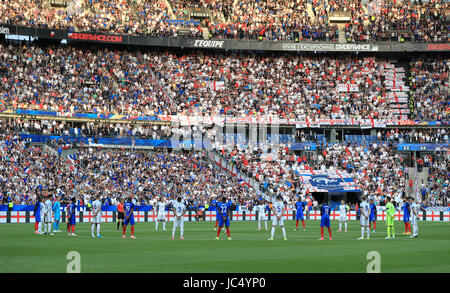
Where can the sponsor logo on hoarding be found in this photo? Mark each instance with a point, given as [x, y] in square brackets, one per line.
[91, 37]
[208, 44]
[329, 47]
[439, 47]
[4, 30]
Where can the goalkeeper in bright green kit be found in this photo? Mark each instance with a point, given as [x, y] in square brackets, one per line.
[390, 213]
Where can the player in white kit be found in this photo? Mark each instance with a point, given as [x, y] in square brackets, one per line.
[96, 216]
[262, 216]
[414, 217]
[364, 218]
[179, 210]
[48, 216]
[343, 218]
[278, 210]
[161, 209]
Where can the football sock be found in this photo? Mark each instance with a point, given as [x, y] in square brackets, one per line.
[272, 233]
[321, 231]
[406, 227]
[157, 222]
[368, 232]
[118, 223]
[218, 231]
[164, 224]
[124, 228]
[284, 232]
[92, 229]
[374, 225]
[49, 227]
[340, 226]
[345, 224]
[259, 224]
[98, 229]
[68, 228]
[303, 222]
[329, 231]
[296, 224]
[265, 224]
[132, 230]
[173, 231]
[73, 228]
[389, 231]
[36, 225]
[181, 230]
[217, 222]
[362, 232]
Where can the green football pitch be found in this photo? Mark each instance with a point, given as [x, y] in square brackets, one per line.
[249, 252]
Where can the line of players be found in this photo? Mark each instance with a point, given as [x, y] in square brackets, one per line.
[125, 215]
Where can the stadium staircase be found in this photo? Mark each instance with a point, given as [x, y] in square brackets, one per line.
[169, 9]
[395, 78]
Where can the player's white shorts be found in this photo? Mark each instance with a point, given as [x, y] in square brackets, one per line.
[178, 222]
[97, 219]
[161, 216]
[262, 217]
[364, 221]
[48, 218]
[343, 218]
[276, 222]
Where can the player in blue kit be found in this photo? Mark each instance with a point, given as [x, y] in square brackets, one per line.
[57, 214]
[129, 217]
[72, 218]
[325, 210]
[37, 216]
[214, 203]
[373, 215]
[299, 206]
[224, 209]
[406, 216]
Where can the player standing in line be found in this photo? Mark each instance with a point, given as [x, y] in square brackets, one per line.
[120, 214]
[343, 218]
[406, 216]
[224, 210]
[262, 216]
[57, 214]
[414, 217]
[48, 216]
[37, 216]
[299, 206]
[364, 218]
[325, 211]
[373, 215]
[390, 214]
[161, 209]
[71, 217]
[278, 211]
[129, 218]
[215, 203]
[97, 216]
[179, 210]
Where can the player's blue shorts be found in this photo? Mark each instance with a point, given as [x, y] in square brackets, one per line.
[325, 222]
[406, 218]
[73, 221]
[372, 218]
[130, 221]
[227, 222]
[37, 217]
[299, 216]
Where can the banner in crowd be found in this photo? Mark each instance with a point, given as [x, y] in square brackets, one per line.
[223, 120]
[15, 217]
[326, 181]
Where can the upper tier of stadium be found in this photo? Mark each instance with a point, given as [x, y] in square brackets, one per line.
[352, 21]
[71, 79]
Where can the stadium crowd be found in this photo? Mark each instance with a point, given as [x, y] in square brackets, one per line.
[249, 19]
[27, 171]
[423, 21]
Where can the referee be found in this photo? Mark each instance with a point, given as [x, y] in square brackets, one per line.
[120, 214]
